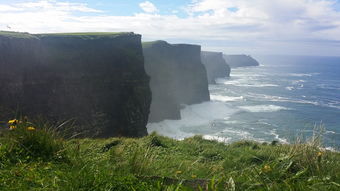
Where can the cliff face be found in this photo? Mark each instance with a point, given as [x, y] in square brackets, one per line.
[235, 61]
[177, 77]
[215, 65]
[97, 79]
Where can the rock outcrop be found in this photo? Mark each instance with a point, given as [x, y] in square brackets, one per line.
[177, 77]
[98, 79]
[215, 64]
[235, 61]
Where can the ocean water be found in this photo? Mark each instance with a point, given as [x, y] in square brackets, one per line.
[282, 99]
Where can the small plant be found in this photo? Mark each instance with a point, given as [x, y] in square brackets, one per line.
[155, 141]
[141, 160]
[24, 141]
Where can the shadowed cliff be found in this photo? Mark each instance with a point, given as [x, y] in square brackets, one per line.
[215, 64]
[98, 79]
[235, 61]
[177, 77]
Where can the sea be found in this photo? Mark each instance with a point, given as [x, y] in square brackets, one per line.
[285, 99]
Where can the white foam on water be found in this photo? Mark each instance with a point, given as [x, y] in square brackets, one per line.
[290, 88]
[263, 108]
[196, 119]
[249, 74]
[231, 134]
[257, 85]
[330, 149]
[295, 82]
[238, 133]
[281, 99]
[217, 138]
[277, 137]
[332, 105]
[228, 122]
[245, 82]
[330, 132]
[225, 98]
[303, 74]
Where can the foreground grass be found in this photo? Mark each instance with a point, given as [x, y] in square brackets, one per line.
[40, 160]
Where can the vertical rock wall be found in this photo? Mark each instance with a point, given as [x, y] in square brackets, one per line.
[215, 65]
[177, 77]
[97, 79]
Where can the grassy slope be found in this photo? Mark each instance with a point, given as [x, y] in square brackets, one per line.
[39, 160]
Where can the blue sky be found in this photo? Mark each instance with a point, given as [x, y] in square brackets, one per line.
[304, 27]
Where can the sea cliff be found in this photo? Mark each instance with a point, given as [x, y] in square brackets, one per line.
[215, 64]
[177, 77]
[97, 79]
[235, 61]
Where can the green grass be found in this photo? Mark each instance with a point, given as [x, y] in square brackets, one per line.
[85, 35]
[151, 43]
[49, 162]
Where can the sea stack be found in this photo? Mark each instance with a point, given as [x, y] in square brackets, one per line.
[178, 77]
[97, 79]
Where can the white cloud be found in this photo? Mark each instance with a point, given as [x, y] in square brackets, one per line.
[148, 7]
[7, 8]
[258, 26]
[48, 5]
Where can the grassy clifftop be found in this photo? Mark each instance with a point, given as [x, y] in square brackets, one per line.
[87, 35]
[34, 157]
[82, 35]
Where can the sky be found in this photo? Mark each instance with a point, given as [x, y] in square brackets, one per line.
[255, 27]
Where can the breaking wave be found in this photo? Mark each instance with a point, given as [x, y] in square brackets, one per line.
[196, 119]
[263, 108]
[225, 98]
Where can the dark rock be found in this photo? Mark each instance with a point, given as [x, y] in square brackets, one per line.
[177, 77]
[216, 66]
[108, 146]
[97, 79]
[235, 61]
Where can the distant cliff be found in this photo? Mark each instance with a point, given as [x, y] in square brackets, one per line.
[177, 77]
[215, 64]
[235, 61]
[98, 79]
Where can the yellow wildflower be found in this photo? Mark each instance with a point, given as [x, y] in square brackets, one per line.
[13, 121]
[193, 176]
[319, 154]
[178, 172]
[30, 128]
[266, 168]
[12, 127]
